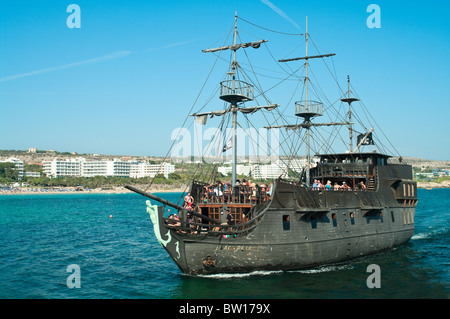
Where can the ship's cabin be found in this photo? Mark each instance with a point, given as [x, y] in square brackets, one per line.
[347, 171]
[218, 200]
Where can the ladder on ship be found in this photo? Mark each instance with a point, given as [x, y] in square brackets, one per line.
[371, 185]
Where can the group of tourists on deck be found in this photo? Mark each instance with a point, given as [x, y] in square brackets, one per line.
[243, 192]
[317, 185]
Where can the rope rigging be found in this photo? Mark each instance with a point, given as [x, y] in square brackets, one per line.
[291, 141]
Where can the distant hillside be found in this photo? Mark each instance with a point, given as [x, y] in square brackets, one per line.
[42, 155]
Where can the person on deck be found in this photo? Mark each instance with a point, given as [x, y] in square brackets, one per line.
[230, 219]
[188, 201]
[345, 187]
[315, 185]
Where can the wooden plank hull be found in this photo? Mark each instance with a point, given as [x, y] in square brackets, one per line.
[306, 243]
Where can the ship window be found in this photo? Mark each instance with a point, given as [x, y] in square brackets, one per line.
[313, 221]
[392, 216]
[381, 161]
[352, 218]
[333, 217]
[286, 222]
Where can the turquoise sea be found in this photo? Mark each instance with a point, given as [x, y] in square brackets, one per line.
[110, 238]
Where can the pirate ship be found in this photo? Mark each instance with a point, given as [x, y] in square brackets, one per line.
[342, 205]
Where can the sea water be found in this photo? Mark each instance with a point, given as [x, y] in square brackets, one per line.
[109, 237]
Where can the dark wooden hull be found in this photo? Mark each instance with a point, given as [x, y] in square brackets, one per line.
[310, 238]
[300, 228]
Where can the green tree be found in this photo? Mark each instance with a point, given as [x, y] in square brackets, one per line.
[8, 172]
[174, 176]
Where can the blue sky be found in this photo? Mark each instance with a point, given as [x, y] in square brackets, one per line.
[128, 77]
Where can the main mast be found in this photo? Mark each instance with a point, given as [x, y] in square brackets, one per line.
[234, 106]
[305, 115]
[308, 109]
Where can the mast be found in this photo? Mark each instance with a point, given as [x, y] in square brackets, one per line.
[307, 109]
[306, 64]
[234, 107]
[349, 100]
[308, 151]
[235, 91]
[350, 130]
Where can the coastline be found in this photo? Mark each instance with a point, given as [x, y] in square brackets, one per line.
[122, 190]
[74, 190]
[428, 185]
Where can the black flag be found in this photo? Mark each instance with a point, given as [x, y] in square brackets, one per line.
[367, 141]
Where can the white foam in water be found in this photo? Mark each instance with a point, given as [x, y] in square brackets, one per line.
[242, 275]
[329, 268]
[322, 269]
[420, 236]
[431, 233]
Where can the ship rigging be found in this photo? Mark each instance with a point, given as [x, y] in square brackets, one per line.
[297, 221]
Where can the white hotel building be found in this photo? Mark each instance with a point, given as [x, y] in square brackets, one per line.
[108, 168]
[80, 167]
[59, 168]
[268, 171]
[139, 169]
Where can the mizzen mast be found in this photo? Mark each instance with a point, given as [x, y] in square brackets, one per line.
[349, 100]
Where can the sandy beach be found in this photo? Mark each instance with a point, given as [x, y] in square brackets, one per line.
[428, 185]
[74, 190]
[122, 190]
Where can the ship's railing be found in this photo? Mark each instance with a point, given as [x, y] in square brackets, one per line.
[194, 226]
[242, 194]
[340, 170]
[236, 88]
[356, 177]
[345, 186]
[308, 108]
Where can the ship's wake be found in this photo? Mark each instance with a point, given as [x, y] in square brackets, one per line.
[431, 233]
[322, 269]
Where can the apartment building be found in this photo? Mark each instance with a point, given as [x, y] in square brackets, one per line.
[142, 169]
[276, 169]
[80, 167]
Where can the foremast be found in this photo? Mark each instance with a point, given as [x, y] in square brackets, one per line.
[235, 92]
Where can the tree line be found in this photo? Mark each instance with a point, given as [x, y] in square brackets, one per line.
[9, 175]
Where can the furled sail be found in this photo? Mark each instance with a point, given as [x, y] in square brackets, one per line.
[235, 47]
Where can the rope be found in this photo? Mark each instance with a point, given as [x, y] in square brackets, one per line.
[185, 120]
[270, 30]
